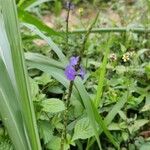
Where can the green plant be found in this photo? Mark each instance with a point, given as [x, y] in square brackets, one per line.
[20, 112]
[108, 109]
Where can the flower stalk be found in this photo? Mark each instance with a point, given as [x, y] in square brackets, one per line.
[67, 101]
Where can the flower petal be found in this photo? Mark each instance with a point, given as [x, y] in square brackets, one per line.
[74, 60]
[70, 72]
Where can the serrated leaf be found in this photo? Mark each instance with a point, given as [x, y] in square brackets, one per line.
[83, 129]
[53, 105]
[46, 131]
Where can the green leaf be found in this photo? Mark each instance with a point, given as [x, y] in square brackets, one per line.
[10, 110]
[93, 114]
[55, 143]
[46, 131]
[83, 129]
[125, 136]
[34, 88]
[101, 80]
[109, 118]
[145, 146]
[26, 17]
[52, 105]
[137, 125]
[114, 126]
[54, 47]
[117, 107]
[44, 79]
[123, 48]
[147, 70]
[41, 59]
[58, 74]
[42, 63]
[19, 72]
[6, 145]
[58, 7]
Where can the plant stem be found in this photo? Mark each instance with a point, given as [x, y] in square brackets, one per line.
[67, 107]
[105, 30]
[67, 102]
[67, 25]
[65, 115]
[69, 93]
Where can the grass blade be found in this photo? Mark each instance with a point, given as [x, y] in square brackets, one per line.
[93, 113]
[44, 60]
[54, 47]
[111, 115]
[9, 13]
[97, 100]
[10, 110]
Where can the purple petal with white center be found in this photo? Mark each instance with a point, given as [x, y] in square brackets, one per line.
[70, 73]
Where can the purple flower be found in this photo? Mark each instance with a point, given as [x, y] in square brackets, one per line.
[74, 60]
[71, 72]
[69, 5]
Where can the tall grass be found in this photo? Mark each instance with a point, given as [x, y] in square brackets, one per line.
[12, 61]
